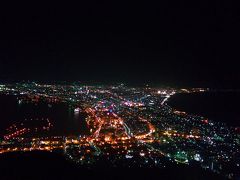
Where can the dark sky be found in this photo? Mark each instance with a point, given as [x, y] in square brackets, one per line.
[178, 44]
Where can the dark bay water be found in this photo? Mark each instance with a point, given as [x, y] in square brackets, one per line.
[63, 118]
[218, 106]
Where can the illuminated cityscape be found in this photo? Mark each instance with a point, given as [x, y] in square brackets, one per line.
[126, 127]
[115, 90]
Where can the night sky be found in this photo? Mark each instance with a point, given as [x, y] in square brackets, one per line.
[176, 44]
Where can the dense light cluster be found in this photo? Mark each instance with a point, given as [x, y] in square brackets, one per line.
[130, 126]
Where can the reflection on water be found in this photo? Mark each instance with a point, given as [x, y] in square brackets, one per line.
[62, 116]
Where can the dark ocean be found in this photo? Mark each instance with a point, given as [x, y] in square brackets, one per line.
[218, 106]
[63, 118]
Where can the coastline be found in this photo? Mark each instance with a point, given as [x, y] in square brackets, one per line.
[219, 106]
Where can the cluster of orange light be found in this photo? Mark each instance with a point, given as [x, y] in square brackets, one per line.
[46, 148]
[16, 134]
[180, 112]
[181, 135]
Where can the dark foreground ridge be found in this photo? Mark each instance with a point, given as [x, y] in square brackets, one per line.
[45, 165]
